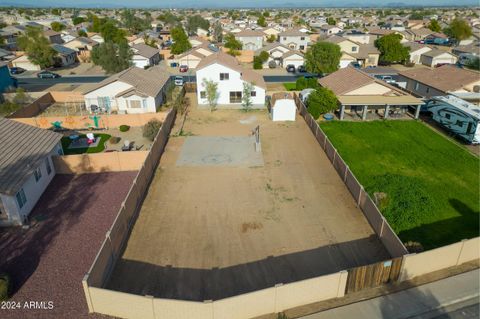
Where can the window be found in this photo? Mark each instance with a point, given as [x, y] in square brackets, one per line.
[38, 174]
[21, 198]
[47, 164]
[284, 38]
[354, 49]
[417, 86]
[203, 94]
[236, 97]
[302, 38]
[135, 104]
[459, 123]
[447, 116]
[224, 76]
[253, 93]
[302, 47]
[427, 90]
[144, 103]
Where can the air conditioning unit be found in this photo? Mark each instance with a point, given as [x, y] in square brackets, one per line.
[476, 88]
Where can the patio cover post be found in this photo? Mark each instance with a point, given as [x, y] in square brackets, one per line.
[387, 110]
[364, 113]
[342, 111]
[417, 112]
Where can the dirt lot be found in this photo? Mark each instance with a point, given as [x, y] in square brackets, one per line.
[48, 261]
[209, 232]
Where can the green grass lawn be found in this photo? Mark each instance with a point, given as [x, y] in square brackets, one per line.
[99, 148]
[290, 86]
[432, 184]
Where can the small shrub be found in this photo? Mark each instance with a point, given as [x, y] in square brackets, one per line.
[114, 139]
[257, 63]
[150, 130]
[124, 128]
[303, 83]
[5, 286]
[321, 101]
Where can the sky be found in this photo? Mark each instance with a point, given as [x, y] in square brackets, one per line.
[230, 4]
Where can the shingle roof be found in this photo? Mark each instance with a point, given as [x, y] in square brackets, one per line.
[62, 50]
[292, 33]
[445, 78]
[249, 33]
[345, 80]
[145, 50]
[149, 82]
[435, 52]
[23, 147]
[232, 63]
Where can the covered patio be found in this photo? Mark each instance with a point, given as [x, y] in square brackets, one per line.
[368, 107]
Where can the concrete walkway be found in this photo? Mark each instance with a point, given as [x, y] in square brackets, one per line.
[413, 302]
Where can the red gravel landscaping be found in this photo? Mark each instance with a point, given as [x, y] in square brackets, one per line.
[48, 261]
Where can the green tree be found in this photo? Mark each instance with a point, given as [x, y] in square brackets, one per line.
[434, 26]
[37, 47]
[232, 44]
[57, 26]
[218, 32]
[259, 60]
[459, 29]
[323, 57]
[331, 21]
[261, 21]
[247, 96]
[151, 128]
[474, 64]
[211, 93]
[271, 38]
[180, 41]
[266, 14]
[391, 50]
[110, 32]
[321, 101]
[56, 12]
[78, 20]
[112, 57]
[304, 83]
[133, 23]
[82, 33]
[195, 22]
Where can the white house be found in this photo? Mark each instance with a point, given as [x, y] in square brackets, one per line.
[435, 57]
[144, 55]
[294, 58]
[192, 57]
[283, 107]
[134, 90]
[23, 62]
[26, 168]
[65, 55]
[330, 29]
[277, 52]
[251, 40]
[294, 39]
[230, 76]
[416, 51]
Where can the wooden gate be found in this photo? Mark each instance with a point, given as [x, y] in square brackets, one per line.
[373, 275]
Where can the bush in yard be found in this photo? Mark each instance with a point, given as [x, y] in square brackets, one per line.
[321, 101]
[151, 129]
[114, 139]
[257, 63]
[5, 286]
[124, 128]
[304, 83]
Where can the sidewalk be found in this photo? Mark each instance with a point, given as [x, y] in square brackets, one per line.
[411, 302]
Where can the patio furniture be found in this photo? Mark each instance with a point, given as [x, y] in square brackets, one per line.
[90, 138]
[126, 146]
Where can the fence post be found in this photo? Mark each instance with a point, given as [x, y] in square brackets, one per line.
[403, 272]
[381, 228]
[275, 307]
[334, 156]
[153, 306]
[342, 281]
[360, 195]
[346, 173]
[461, 250]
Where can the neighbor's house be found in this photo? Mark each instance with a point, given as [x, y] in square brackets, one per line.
[294, 39]
[82, 46]
[192, 57]
[144, 55]
[134, 90]
[416, 51]
[65, 56]
[269, 32]
[293, 57]
[435, 57]
[96, 37]
[328, 30]
[281, 55]
[364, 54]
[230, 77]
[26, 168]
[359, 93]
[250, 39]
[439, 81]
[23, 62]
[53, 36]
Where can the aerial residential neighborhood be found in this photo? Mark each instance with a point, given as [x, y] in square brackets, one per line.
[257, 159]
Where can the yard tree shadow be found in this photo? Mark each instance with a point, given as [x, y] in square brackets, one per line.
[58, 209]
[445, 231]
[166, 281]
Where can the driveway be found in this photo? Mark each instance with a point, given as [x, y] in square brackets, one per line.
[48, 261]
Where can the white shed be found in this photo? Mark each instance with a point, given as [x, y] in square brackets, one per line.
[283, 107]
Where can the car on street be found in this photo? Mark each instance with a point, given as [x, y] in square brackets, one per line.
[291, 68]
[302, 69]
[183, 68]
[178, 80]
[17, 70]
[47, 75]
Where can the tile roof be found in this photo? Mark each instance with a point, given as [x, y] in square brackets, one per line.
[23, 148]
[445, 78]
[249, 33]
[345, 80]
[149, 82]
[292, 33]
[145, 50]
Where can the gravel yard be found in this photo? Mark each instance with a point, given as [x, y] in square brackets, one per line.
[48, 261]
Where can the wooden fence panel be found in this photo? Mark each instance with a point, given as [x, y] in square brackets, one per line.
[373, 275]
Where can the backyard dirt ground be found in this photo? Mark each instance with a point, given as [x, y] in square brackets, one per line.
[209, 232]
